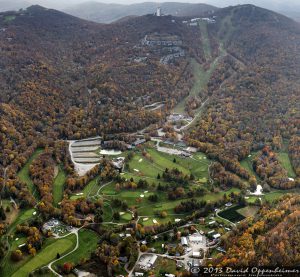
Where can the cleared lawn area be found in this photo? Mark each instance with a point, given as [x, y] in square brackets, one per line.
[248, 211]
[126, 216]
[247, 164]
[46, 255]
[109, 190]
[226, 29]
[141, 166]
[136, 177]
[24, 173]
[148, 170]
[9, 18]
[23, 216]
[149, 210]
[285, 161]
[165, 265]
[88, 240]
[272, 196]
[12, 214]
[107, 212]
[205, 40]
[133, 197]
[200, 82]
[164, 161]
[91, 188]
[58, 186]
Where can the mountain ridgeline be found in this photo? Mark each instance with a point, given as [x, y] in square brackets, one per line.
[76, 71]
[107, 13]
[64, 78]
[255, 88]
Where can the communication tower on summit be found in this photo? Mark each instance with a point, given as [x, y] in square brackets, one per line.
[158, 11]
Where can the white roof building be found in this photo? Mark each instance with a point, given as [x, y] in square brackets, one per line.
[216, 236]
[191, 149]
[196, 254]
[152, 260]
[195, 238]
[184, 241]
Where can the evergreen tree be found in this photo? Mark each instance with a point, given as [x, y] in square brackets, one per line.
[98, 215]
[2, 213]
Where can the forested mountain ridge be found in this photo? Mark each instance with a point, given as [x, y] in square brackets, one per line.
[106, 13]
[255, 99]
[270, 239]
[67, 68]
[63, 78]
[58, 71]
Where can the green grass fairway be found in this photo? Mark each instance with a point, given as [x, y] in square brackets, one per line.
[131, 197]
[109, 189]
[126, 217]
[24, 173]
[144, 166]
[23, 216]
[46, 255]
[88, 240]
[271, 196]
[58, 186]
[149, 209]
[285, 161]
[247, 164]
[231, 214]
[164, 161]
[91, 188]
[274, 195]
[16, 243]
[148, 170]
[197, 165]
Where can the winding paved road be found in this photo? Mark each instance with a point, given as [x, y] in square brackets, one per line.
[74, 231]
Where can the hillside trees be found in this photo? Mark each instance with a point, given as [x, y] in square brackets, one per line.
[268, 168]
[270, 239]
